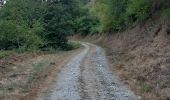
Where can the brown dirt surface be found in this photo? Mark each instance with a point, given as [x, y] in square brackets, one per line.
[25, 76]
[87, 77]
[141, 57]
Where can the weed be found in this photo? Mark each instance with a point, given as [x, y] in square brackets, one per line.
[6, 53]
[37, 68]
[144, 87]
[74, 44]
[3, 54]
[8, 88]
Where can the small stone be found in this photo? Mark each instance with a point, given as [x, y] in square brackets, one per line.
[126, 95]
[139, 97]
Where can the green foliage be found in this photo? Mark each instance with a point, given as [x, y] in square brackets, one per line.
[33, 24]
[58, 25]
[116, 15]
[145, 88]
[8, 35]
[74, 44]
[20, 25]
[65, 18]
[13, 36]
[138, 10]
[22, 11]
[87, 25]
[110, 13]
[3, 54]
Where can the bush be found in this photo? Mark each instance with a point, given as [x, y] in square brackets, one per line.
[3, 54]
[21, 25]
[62, 19]
[138, 10]
[9, 35]
[110, 14]
[87, 25]
[74, 44]
[116, 15]
[13, 36]
[57, 26]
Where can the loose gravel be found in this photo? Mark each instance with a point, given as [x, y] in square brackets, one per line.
[88, 77]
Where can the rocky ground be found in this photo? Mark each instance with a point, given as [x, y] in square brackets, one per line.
[87, 77]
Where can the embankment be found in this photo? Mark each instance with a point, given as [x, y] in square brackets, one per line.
[141, 57]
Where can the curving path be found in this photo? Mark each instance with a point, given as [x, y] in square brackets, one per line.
[87, 77]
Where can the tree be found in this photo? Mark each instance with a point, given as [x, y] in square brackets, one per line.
[20, 25]
[61, 20]
[117, 15]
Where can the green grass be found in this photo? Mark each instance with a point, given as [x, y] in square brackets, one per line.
[71, 45]
[74, 44]
[4, 53]
[145, 88]
[38, 67]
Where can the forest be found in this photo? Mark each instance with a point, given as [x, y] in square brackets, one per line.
[28, 25]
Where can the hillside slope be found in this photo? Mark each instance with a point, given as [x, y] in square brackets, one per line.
[141, 56]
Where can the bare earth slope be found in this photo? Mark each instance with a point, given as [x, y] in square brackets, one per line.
[87, 77]
[141, 57]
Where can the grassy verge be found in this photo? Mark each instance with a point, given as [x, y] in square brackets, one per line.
[4, 53]
[74, 44]
[37, 68]
[136, 59]
[21, 72]
[71, 46]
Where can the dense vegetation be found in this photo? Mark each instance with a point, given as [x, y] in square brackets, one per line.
[33, 24]
[117, 15]
[20, 25]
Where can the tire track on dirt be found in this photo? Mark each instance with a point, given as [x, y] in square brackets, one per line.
[88, 77]
[66, 86]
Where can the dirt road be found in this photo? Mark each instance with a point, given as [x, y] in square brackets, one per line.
[87, 77]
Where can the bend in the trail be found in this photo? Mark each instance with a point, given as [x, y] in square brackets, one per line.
[87, 77]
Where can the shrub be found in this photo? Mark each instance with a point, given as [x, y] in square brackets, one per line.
[87, 25]
[9, 35]
[14, 36]
[3, 54]
[117, 15]
[21, 25]
[64, 18]
[138, 10]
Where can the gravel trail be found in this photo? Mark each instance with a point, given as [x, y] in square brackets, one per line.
[87, 77]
